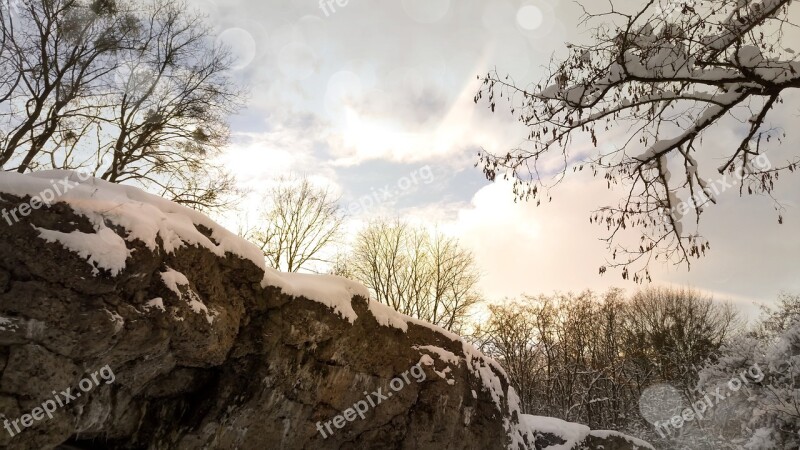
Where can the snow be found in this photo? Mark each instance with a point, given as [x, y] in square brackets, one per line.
[443, 375]
[173, 279]
[144, 216]
[636, 442]
[484, 369]
[157, 303]
[332, 291]
[149, 218]
[6, 324]
[119, 322]
[481, 367]
[442, 354]
[734, 25]
[102, 250]
[387, 317]
[426, 360]
[572, 433]
[749, 56]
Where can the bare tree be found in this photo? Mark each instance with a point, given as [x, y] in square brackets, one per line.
[299, 224]
[661, 81]
[512, 339]
[676, 330]
[53, 53]
[778, 318]
[135, 91]
[171, 97]
[420, 274]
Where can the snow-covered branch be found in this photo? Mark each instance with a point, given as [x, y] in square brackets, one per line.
[664, 82]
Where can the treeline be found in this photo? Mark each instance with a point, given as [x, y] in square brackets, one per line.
[589, 357]
[671, 366]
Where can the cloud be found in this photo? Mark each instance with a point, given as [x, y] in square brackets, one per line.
[361, 97]
[521, 248]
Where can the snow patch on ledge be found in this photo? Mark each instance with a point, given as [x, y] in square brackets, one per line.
[388, 317]
[157, 303]
[635, 442]
[442, 354]
[332, 291]
[426, 360]
[7, 324]
[173, 279]
[572, 433]
[102, 250]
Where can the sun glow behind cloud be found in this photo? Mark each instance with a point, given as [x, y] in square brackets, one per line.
[378, 89]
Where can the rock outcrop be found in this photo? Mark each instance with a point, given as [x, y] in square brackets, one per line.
[128, 322]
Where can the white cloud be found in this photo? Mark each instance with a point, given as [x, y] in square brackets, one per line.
[521, 248]
[380, 82]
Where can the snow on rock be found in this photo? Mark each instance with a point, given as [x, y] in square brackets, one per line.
[102, 250]
[485, 369]
[161, 224]
[386, 316]
[571, 433]
[574, 435]
[481, 367]
[332, 291]
[442, 354]
[173, 279]
[157, 303]
[635, 442]
[119, 322]
[150, 218]
[7, 324]
[426, 360]
[144, 216]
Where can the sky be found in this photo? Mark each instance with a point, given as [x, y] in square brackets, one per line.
[374, 99]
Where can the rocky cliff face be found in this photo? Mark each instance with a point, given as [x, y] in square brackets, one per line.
[128, 322]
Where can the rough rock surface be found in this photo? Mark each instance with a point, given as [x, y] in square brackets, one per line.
[223, 362]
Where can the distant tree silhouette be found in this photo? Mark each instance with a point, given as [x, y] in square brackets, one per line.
[298, 224]
[424, 275]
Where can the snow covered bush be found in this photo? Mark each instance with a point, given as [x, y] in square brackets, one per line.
[766, 414]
